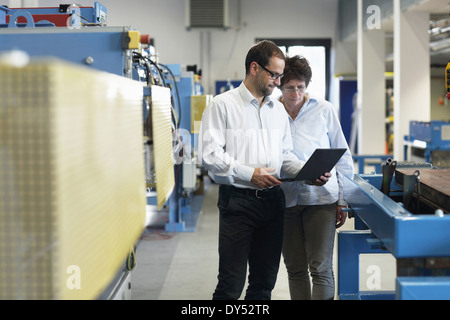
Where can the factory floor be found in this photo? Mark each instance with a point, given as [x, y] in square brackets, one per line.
[183, 265]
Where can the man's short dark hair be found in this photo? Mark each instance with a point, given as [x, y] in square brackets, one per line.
[261, 53]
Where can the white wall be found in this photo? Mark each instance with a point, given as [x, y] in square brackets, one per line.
[220, 54]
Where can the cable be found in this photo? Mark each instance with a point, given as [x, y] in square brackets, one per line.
[147, 68]
[177, 92]
[158, 69]
[177, 120]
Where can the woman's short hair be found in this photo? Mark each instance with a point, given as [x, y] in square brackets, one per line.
[297, 68]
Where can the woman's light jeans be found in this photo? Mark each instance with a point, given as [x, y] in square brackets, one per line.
[308, 242]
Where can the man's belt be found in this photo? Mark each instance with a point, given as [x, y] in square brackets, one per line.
[254, 193]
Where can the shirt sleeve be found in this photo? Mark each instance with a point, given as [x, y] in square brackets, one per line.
[221, 165]
[337, 140]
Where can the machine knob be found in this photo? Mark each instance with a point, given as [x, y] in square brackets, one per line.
[145, 38]
[89, 60]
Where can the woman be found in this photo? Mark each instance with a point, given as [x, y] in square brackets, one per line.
[313, 213]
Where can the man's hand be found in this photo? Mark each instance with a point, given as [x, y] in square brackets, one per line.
[263, 178]
[322, 180]
[341, 216]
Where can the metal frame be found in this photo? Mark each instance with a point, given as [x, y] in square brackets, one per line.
[391, 229]
[350, 245]
[405, 235]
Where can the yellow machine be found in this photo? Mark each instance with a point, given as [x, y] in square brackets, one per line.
[86, 143]
[72, 186]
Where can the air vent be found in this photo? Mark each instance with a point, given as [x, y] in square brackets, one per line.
[207, 14]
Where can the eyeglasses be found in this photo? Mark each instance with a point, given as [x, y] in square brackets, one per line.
[273, 76]
[292, 89]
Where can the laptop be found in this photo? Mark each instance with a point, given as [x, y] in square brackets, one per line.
[321, 161]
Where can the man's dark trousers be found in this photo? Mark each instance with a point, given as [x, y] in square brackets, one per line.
[250, 230]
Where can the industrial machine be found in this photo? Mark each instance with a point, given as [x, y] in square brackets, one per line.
[90, 124]
[403, 211]
[428, 142]
[66, 15]
[185, 210]
[181, 210]
[68, 63]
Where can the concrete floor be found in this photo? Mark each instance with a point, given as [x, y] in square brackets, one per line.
[183, 266]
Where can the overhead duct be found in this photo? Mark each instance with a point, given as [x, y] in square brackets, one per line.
[207, 14]
[439, 34]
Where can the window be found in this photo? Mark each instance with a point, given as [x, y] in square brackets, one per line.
[317, 51]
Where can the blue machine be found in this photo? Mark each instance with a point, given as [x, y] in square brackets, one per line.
[79, 35]
[373, 161]
[419, 242]
[98, 48]
[104, 48]
[3, 11]
[184, 206]
[429, 141]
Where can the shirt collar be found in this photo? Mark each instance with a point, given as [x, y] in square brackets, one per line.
[248, 97]
[310, 98]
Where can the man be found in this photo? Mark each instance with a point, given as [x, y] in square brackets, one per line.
[246, 144]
